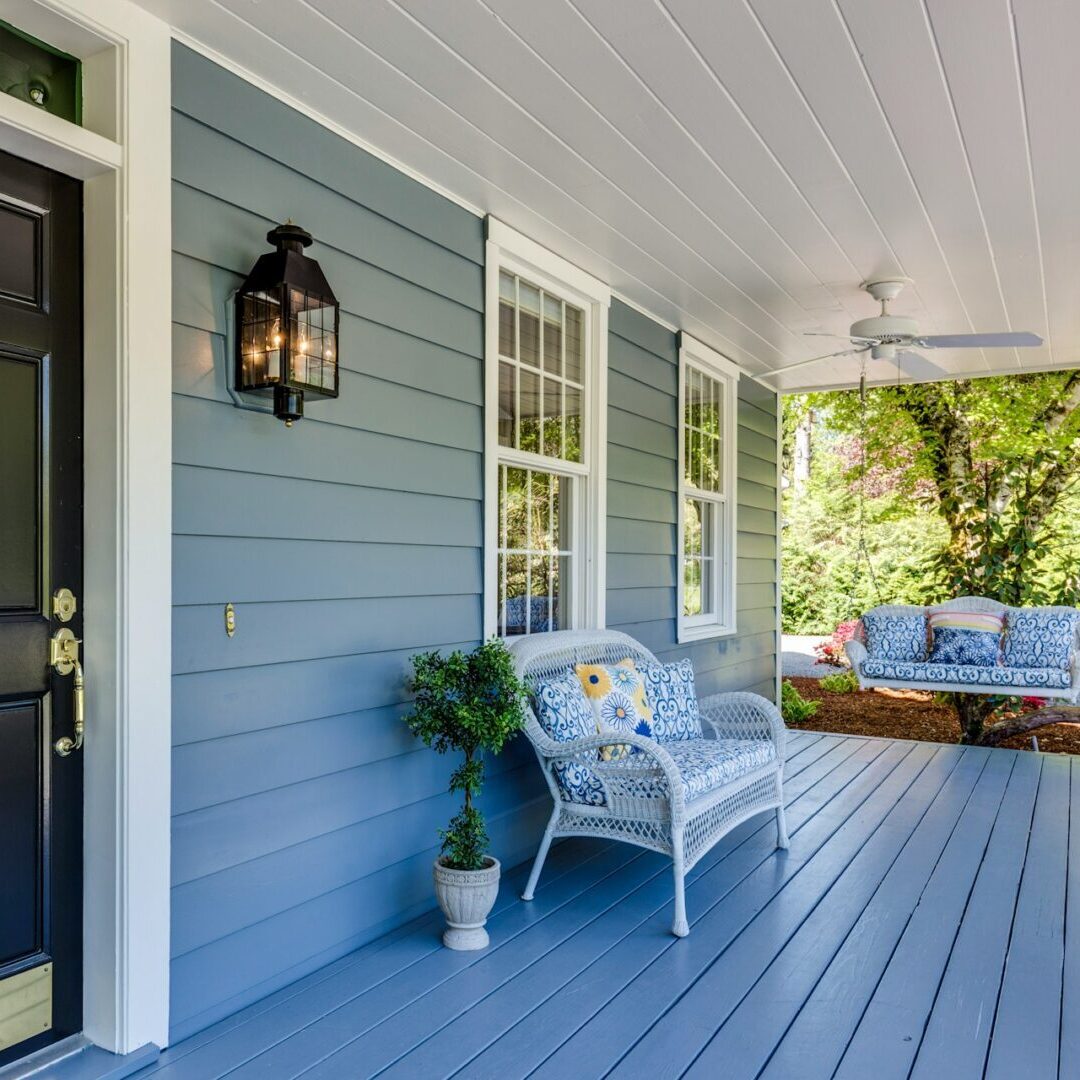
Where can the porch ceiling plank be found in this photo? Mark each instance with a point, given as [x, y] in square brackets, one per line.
[736, 169]
[1046, 35]
[933, 1008]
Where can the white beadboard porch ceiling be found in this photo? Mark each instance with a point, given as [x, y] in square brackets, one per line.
[736, 167]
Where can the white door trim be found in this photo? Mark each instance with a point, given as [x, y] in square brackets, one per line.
[123, 154]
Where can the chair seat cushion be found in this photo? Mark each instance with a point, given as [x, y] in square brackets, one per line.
[669, 690]
[707, 764]
[1042, 639]
[967, 674]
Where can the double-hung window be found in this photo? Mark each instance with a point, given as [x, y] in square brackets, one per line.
[707, 420]
[545, 402]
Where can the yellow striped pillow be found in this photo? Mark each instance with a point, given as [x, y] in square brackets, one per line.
[985, 622]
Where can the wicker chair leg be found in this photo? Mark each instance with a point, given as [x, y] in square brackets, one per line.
[781, 821]
[680, 927]
[541, 855]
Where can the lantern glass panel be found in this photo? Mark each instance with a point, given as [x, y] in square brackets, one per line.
[313, 341]
[261, 339]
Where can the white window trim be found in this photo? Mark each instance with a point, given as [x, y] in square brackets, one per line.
[509, 250]
[723, 623]
[123, 153]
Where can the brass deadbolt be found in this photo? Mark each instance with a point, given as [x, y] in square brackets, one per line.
[64, 605]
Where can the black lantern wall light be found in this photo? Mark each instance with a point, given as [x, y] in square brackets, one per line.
[287, 326]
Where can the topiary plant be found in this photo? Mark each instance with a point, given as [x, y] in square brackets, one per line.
[794, 708]
[470, 702]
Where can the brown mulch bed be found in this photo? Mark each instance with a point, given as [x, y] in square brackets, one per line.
[912, 714]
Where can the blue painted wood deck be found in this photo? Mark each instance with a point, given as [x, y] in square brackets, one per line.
[918, 927]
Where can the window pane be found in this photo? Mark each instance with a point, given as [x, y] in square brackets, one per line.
[530, 409]
[529, 322]
[573, 424]
[706, 601]
[532, 562]
[507, 405]
[553, 425]
[692, 537]
[691, 586]
[512, 616]
[574, 343]
[515, 484]
[552, 335]
[507, 305]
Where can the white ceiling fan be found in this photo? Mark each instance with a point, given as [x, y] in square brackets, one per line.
[891, 337]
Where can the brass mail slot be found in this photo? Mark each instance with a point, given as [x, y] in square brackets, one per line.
[25, 1005]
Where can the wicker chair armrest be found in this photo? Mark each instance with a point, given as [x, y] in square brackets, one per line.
[743, 715]
[856, 654]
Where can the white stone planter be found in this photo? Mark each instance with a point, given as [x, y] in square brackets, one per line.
[466, 897]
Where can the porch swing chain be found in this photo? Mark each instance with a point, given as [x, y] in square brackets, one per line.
[863, 552]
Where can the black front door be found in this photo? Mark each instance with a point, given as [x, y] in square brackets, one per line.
[40, 556]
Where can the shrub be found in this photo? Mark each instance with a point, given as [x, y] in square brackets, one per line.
[831, 650]
[794, 708]
[468, 702]
[843, 682]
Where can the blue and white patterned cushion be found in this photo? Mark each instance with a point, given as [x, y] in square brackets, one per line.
[541, 617]
[895, 637]
[669, 689]
[1004, 677]
[1039, 639]
[706, 764]
[970, 648]
[565, 714]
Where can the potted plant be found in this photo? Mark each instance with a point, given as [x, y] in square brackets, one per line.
[466, 702]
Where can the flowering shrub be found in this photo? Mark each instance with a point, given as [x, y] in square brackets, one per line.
[831, 650]
[1029, 704]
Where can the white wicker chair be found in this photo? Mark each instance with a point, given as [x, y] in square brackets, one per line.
[669, 824]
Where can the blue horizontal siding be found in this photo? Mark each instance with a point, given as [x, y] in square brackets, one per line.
[305, 816]
[642, 508]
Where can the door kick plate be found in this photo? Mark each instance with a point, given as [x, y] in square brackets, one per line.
[25, 1005]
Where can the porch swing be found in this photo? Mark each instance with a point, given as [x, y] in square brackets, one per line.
[970, 645]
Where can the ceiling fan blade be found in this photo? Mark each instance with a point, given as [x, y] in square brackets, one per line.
[918, 367]
[814, 360]
[979, 341]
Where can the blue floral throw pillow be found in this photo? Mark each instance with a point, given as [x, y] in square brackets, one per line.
[971, 638]
[565, 714]
[669, 689]
[1039, 639]
[895, 637]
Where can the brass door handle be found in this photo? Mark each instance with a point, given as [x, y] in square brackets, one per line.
[64, 659]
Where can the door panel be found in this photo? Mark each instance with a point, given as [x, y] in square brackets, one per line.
[20, 455]
[40, 551]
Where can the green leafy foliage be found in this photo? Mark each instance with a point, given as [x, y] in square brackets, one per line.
[970, 486]
[794, 708]
[843, 682]
[469, 703]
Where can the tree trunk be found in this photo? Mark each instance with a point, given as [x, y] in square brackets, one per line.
[997, 733]
[972, 711]
[804, 449]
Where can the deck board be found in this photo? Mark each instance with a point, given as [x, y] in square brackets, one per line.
[918, 926]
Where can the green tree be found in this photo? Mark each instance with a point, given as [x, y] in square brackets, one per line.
[997, 460]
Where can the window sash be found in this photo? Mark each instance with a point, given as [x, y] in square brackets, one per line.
[559, 338]
[706, 581]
